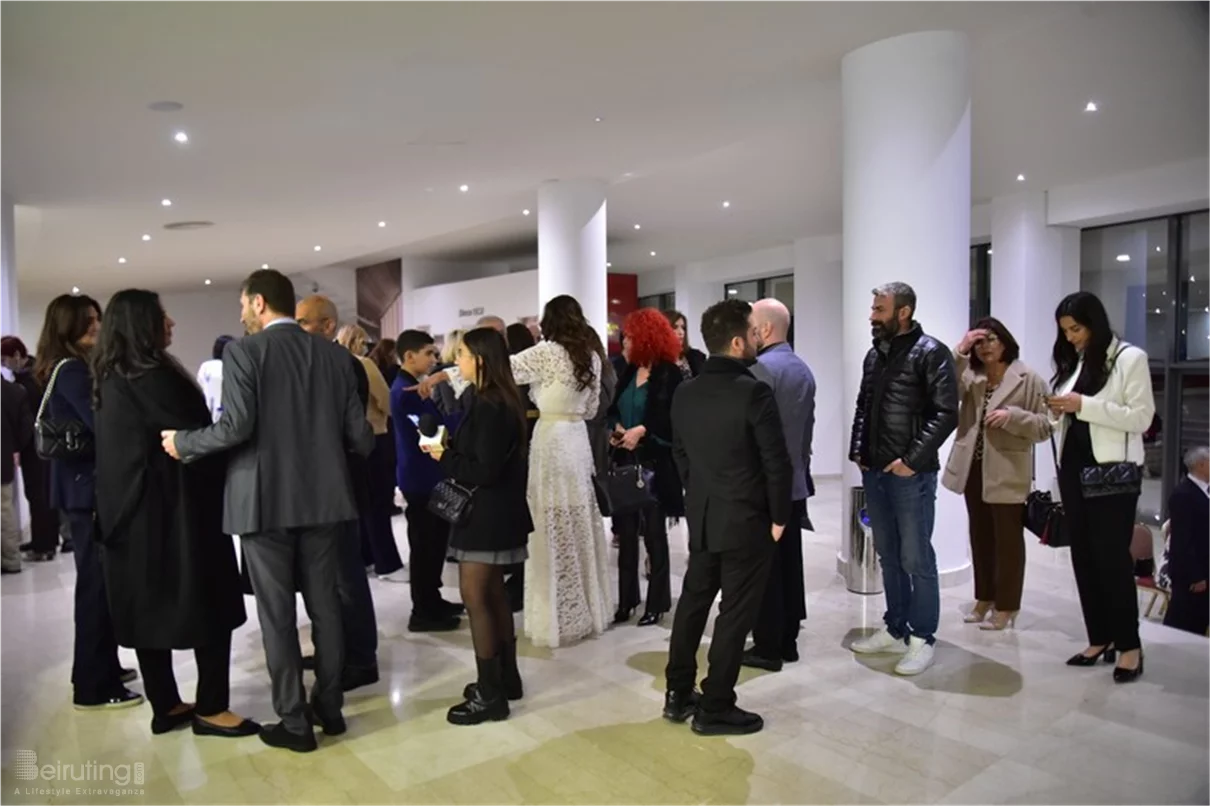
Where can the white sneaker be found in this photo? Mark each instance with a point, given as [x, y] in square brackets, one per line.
[918, 658]
[880, 643]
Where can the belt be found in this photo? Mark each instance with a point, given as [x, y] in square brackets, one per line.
[561, 418]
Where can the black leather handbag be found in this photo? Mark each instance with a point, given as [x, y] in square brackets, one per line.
[1113, 478]
[1044, 516]
[624, 488]
[452, 502]
[61, 439]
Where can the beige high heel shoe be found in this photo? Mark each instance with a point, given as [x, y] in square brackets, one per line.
[978, 613]
[1002, 620]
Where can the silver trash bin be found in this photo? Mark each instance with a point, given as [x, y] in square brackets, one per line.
[862, 572]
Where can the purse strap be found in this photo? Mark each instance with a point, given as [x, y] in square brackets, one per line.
[50, 389]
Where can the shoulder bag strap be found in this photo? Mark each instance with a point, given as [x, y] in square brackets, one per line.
[50, 389]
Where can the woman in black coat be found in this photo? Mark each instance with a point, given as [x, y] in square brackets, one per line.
[489, 457]
[641, 416]
[170, 571]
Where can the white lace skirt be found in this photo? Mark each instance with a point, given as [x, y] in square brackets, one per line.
[568, 592]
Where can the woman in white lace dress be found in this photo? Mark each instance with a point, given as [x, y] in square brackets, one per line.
[567, 582]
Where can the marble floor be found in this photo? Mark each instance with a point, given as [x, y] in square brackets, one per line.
[999, 719]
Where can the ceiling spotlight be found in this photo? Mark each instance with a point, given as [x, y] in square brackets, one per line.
[121, 260]
[464, 188]
[525, 212]
[75, 289]
[1020, 177]
[318, 247]
[207, 281]
[264, 265]
[726, 204]
[1091, 106]
[181, 138]
[653, 254]
[1123, 258]
[608, 265]
[638, 226]
[615, 302]
[1158, 249]
[989, 251]
[382, 223]
[166, 202]
[146, 237]
[598, 120]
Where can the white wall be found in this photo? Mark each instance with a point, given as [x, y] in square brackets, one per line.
[442, 308]
[1176, 187]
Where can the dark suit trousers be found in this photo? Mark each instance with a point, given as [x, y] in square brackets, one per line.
[307, 560]
[784, 606]
[356, 603]
[428, 540]
[650, 523]
[213, 677]
[741, 575]
[95, 674]
[376, 517]
[1187, 610]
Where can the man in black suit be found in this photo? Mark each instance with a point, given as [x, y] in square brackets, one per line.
[731, 454]
[1189, 546]
[290, 415]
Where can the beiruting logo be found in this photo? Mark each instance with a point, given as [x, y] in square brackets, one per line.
[26, 768]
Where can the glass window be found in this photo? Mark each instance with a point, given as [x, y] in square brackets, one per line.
[981, 286]
[1127, 267]
[1194, 282]
[1195, 411]
[661, 302]
[782, 289]
[748, 291]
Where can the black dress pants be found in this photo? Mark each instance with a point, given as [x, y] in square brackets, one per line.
[95, 673]
[650, 523]
[213, 677]
[43, 520]
[741, 575]
[1187, 610]
[428, 541]
[376, 516]
[784, 606]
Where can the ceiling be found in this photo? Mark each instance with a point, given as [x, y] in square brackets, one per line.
[311, 122]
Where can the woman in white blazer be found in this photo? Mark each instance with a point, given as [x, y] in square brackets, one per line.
[1101, 406]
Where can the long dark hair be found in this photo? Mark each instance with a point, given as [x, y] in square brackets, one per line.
[66, 322]
[519, 338]
[1088, 311]
[495, 382]
[1012, 350]
[673, 316]
[132, 340]
[563, 323]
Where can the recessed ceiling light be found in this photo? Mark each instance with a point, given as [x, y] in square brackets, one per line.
[166, 202]
[318, 247]
[1091, 106]
[608, 265]
[598, 120]
[1123, 258]
[382, 223]
[1157, 310]
[264, 265]
[726, 204]
[121, 260]
[638, 226]
[1020, 177]
[181, 138]
[989, 250]
[615, 302]
[653, 254]
[207, 282]
[75, 289]
[146, 237]
[525, 212]
[1159, 249]
[464, 188]
[1192, 279]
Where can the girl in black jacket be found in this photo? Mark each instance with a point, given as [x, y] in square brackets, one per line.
[489, 457]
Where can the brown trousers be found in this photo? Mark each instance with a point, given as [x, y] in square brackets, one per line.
[997, 545]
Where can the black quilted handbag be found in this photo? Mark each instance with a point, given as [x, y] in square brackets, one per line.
[452, 502]
[624, 489]
[1112, 478]
[60, 439]
[1044, 516]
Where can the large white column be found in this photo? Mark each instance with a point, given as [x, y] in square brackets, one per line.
[1033, 266]
[907, 204]
[9, 309]
[571, 247]
[693, 296]
[818, 316]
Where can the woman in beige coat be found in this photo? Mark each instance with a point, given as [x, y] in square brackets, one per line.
[1002, 415]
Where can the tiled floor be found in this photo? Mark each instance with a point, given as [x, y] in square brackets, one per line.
[999, 719]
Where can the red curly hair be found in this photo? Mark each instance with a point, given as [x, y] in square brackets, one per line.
[652, 339]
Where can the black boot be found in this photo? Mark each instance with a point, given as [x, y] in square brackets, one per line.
[487, 703]
[510, 675]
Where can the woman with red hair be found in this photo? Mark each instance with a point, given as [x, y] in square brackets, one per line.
[641, 417]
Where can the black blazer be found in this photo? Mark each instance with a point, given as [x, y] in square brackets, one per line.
[488, 452]
[696, 360]
[1189, 538]
[170, 572]
[655, 451]
[72, 481]
[18, 427]
[732, 457]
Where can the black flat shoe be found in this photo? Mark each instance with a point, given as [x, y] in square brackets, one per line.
[170, 722]
[276, 735]
[438, 624]
[1109, 654]
[755, 661]
[623, 615]
[733, 722]
[789, 653]
[650, 619]
[680, 705]
[331, 726]
[124, 699]
[451, 609]
[353, 678]
[246, 728]
[1121, 675]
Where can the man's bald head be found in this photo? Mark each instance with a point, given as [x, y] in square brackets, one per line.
[771, 319]
[316, 314]
[494, 322]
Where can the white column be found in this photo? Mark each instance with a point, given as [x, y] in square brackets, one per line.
[9, 309]
[907, 205]
[571, 247]
[693, 296]
[818, 316]
[1033, 266]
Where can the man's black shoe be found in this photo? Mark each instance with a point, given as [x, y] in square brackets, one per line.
[680, 705]
[276, 735]
[451, 609]
[433, 624]
[67, 548]
[332, 726]
[754, 661]
[732, 722]
[26, 546]
[789, 653]
[356, 677]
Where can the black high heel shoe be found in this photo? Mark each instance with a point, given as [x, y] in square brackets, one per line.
[649, 619]
[1121, 675]
[1108, 654]
[623, 615]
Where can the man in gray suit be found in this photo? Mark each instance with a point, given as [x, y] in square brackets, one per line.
[290, 414]
[784, 607]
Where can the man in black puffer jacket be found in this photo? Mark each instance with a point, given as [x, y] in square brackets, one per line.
[907, 407]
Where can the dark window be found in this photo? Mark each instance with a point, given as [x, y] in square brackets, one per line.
[981, 282]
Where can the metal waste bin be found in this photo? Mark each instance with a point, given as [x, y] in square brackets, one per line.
[862, 572]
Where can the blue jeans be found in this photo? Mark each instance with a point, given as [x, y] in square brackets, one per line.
[901, 514]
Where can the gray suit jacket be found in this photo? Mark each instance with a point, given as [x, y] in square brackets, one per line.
[793, 387]
[290, 416]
